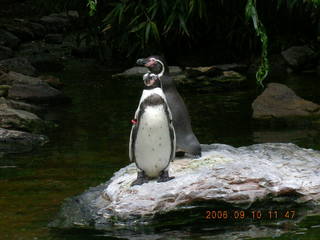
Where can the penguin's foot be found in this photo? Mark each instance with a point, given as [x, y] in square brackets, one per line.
[141, 179]
[164, 177]
[198, 155]
[180, 154]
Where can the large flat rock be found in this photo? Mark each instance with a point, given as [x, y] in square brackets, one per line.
[239, 177]
[12, 141]
[280, 102]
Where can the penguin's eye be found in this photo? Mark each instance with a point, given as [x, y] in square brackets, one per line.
[151, 62]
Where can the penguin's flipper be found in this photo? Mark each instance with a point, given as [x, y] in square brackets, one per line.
[133, 136]
[173, 142]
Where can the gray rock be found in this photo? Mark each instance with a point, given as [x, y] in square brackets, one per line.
[12, 141]
[238, 177]
[278, 66]
[229, 77]
[8, 39]
[19, 78]
[46, 62]
[19, 119]
[4, 90]
[73, 14]
[139, 71]
[5, 53]
[19, 64]
[21, 105]
[5, 78]
[41, 56]
[39, 93]
[215, 70]
[37, 29]
[20, 30]
[278, 101]
[54, 38]
[55, 23]
[298, 56]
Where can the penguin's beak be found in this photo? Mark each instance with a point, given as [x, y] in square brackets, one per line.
[141, 61]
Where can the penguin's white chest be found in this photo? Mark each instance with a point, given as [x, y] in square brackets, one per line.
[153, 145]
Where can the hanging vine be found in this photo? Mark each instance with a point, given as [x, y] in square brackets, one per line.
[251, 12]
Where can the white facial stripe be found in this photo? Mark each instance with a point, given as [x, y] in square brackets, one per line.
[162, 71]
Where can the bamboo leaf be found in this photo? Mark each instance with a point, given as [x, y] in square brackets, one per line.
[120, 14]
[155, 31]
[109, 26]
[183, 25]
[191, 6]
[147, 34]
[138, 27]
[169, 23]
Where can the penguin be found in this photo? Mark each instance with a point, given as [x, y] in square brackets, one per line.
[186, 141]
[152, 139]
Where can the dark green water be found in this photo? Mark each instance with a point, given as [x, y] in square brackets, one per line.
[91, 141]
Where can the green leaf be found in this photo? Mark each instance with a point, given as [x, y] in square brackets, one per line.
[169, 23]
[155, 31]
[120, 14]
[183, 25]
[138, 27]
[263, 69]
[147, 34]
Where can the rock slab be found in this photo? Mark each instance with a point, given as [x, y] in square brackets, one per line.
[12, 141]
[279, 101]
[236, 176]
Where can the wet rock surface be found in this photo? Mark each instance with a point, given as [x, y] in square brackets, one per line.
[19, 64]
[13, 118]
[8, 39]
[239, 177]
[280, 102]
[40, 93]
[12, 141]
[218, 77]
[298, 56]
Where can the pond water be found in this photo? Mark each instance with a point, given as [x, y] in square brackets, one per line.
[91, 143]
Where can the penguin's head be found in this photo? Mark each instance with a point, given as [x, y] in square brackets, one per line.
[151, 80]
[155, 64]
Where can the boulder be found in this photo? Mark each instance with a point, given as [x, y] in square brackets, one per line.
[52, 81]
[280, 102]
[54, 38]
[5, 78]
[46, 62]
[4, 90]
[41, 56]
[19, 64]
[298, 56]
[38, 93]
[8, 39]
[12, 141]
[19, 119]
[215, 70]
[278, 66]
[270, 173]
[20, 30]
[139, 71]
[19, 78]
[73, 14]
[5, 52]
[37, 29]
[55, 23]
[21, 105]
